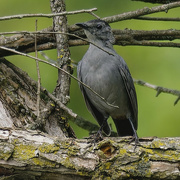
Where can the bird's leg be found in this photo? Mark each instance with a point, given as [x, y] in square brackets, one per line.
[98, 136]
[135, 136]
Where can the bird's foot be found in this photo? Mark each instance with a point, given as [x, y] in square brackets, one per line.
[136, 140]
[94, 138]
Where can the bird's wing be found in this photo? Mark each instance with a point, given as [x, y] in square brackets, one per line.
[129, 84]
[97, 115]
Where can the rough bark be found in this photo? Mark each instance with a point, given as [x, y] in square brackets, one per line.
[33, 155]
[18, 103]
[63, 53]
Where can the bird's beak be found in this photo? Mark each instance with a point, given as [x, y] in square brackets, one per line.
[82, 25]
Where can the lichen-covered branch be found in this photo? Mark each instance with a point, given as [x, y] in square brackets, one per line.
[63, 54]
[39, 156]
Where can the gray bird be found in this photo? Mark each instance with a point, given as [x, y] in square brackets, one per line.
[104, 71]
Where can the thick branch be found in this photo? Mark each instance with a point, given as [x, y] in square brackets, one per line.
[39, 156]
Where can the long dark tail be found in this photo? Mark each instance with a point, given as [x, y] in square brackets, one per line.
[124, 127]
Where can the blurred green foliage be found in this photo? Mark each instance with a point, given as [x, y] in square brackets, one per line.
[157, 115]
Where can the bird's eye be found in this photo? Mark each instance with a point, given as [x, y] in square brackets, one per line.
[99, 26]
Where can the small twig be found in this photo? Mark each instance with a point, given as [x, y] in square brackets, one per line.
[40, 60]
[38, 74]
[93, 14]
[20, 16]
[158, 19]
[159, 89]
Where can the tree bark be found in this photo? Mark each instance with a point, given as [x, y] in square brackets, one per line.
[34, 155]
[18, 104]
[63, 53]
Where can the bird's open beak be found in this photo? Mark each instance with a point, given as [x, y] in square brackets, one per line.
[82, 25]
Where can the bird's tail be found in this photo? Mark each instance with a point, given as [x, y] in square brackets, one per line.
[124, 127]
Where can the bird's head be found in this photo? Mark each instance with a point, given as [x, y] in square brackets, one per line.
[97, 30]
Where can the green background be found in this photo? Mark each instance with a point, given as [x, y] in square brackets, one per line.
[160, 66]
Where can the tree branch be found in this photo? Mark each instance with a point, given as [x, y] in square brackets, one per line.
[158, 19]
[141, 12]
[39, 156]
[63, 54]
[20, 16]
[159, 89]
[38, 75]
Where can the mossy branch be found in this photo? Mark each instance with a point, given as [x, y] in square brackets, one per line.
[36, 155]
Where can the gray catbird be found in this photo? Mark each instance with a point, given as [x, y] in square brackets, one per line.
[104, 71]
